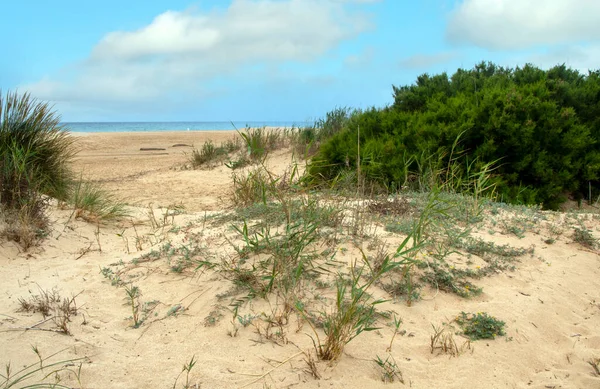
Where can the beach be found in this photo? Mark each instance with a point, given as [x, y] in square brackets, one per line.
[140, 167]
[548, 297]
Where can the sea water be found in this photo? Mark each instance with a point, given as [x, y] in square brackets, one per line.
[171, 126]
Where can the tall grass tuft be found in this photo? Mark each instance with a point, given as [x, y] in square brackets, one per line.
[35, 153]
[92, 203]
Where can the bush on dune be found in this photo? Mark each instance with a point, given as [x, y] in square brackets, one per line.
[35, 151]
[540, 128]
[35, 154]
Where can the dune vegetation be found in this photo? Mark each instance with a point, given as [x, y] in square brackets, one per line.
[364, 250]
[538, 130]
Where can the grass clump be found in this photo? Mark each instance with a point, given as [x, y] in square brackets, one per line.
[92, 203]
[442, 342]
[51, 305]
[35, 153]
[480, 325]
[207, 155]
[584, 237]
[43, 373]
[187, 369]
[354, 310]
[390, 372]
[450, 279]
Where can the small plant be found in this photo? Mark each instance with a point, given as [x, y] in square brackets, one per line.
[250, 187]
[133, 301]
[442, 342]
[108, 273]
[354, 310]
[52, 305]
[246, 320]
[311, 364]
[187, 368]
[213, 317]
[584, 237]
[389, 369]
[450, 279]
[92, 203]
[595, 364]
[209, 154]
[397, 323]
[480, 325]
[44, 372]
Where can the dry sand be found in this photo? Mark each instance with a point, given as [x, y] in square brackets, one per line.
[550, 303]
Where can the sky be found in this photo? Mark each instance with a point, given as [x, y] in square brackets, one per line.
[270, 60]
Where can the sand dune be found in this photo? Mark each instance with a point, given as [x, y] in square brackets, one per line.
[550, 302]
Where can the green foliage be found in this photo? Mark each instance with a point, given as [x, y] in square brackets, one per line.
[132, 300]
[34, 162]
[260, 141]
[584, 237]
[389, 369]
[91, 202]
[45, 372]
[538, 131]
[34, 151]
[480, 325]
[450, 279]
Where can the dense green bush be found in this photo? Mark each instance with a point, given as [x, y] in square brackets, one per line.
[541, 128]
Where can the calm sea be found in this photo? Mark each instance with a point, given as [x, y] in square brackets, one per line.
[171, 126]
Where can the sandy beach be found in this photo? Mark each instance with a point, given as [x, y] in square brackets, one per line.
[550, 301]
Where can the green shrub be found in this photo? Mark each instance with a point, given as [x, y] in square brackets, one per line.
[540, 129]
[35, 151]
[34, 163]
[480, 325]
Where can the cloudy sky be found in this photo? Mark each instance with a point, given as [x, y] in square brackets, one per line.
[270, 60]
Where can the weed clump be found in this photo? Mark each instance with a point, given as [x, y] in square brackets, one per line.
[51, 305]
[35, 153]
[92, 203]
[389, 369]
[480, 325]
[45, 372]
[584, 237]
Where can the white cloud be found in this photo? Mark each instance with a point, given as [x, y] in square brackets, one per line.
[424, 61]
[182, 53]
[519, 24]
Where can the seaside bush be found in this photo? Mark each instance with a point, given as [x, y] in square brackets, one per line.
[539, 129]
[35, 151]
[34, 164]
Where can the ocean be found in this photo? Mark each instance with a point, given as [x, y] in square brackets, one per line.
[171, 126]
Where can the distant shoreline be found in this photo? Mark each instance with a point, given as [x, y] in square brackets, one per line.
[161, 133]
[144, 127]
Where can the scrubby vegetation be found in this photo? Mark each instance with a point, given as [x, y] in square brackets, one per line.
[537, 130]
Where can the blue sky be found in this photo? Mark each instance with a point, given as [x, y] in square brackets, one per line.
[280, 60]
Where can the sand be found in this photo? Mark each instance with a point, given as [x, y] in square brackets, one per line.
[550, 302]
